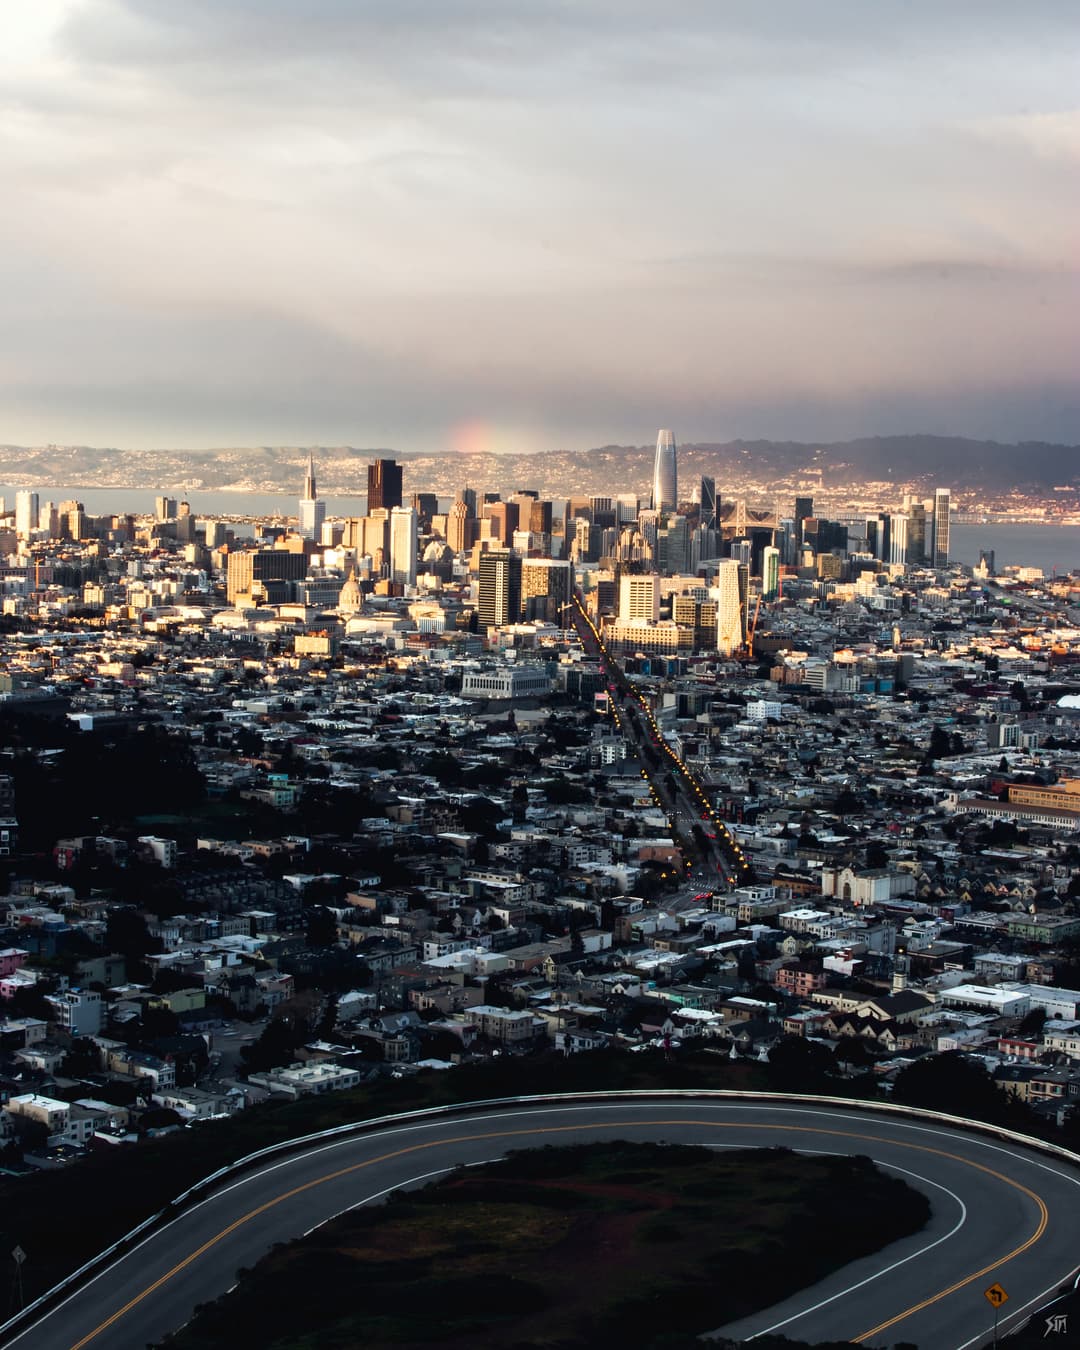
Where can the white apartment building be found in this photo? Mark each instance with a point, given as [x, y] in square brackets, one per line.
[639, 598]
[78, 1011]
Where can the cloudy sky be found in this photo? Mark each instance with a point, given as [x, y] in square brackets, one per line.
[513, 225]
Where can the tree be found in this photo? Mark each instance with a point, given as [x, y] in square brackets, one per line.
[952, 1083]
[83, 1058]
[126, 933]
[1032, 1024]
[798, 1065]
[876, 857]
[852, 1051]
[747, 964]
[277, 1045]
[940, 743]
[321, 927]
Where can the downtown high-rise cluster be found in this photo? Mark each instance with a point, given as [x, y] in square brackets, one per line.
[683, 569]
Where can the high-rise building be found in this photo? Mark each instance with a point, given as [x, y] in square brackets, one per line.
[26, 512]
[499, 594]
[941, 527]
[72, 522]
[546, 589]
[404, 539]
[665, 490]
[383, 485]
[916, 533]
[742, 550]
[264, 573]
[586, 541]
[164, 508]
[312, 511]
[699, 615]
[458, 522]
[804, 509]
[729, 608]
[426, 505]
[503, 519]
[898, 539]
[374, 537]
[770, 573]
[875, 536]
[639, 598]
[673, 547]
[540, 518]
[649, 525]
[708, 503]
[626, 508]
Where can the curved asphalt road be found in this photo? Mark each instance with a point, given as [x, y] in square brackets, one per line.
[1001, 1214]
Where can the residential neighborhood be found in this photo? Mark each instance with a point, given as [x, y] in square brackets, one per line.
[269, 843]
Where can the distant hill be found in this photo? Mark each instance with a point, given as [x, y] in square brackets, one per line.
[1033, 467]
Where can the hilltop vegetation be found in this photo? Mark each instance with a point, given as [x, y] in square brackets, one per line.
[603, 1244]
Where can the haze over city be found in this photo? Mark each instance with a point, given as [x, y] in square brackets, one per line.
[465, 227]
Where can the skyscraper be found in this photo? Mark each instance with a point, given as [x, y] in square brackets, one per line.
[708, 503]
[539, 518]
[383, 485]
[374, 537]
[26, 512]
[312, 511]
[770, 573]
[898, 540]
[458, 534]
[673, 547]
[499, 596]
[917, 551]
[665, 490]
[729, 610]
[546, 588]
[403, 545]
[503, 518]
[940, 556]
[804, 510]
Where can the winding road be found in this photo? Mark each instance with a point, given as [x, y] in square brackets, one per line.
[1001, 1214]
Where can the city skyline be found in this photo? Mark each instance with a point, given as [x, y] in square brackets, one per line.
[325, 235]
[540, 565]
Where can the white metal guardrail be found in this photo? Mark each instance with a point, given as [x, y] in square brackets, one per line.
[26, 1317]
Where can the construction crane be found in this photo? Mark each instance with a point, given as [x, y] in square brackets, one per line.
[753, 630]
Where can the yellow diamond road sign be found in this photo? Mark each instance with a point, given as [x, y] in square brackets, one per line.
[996, 1295]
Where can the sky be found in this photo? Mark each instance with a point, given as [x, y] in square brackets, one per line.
[537, 224]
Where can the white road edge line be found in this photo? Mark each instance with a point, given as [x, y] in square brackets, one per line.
[885, 1270]
[541, 1108]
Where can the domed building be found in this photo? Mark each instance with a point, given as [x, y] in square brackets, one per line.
[350, 601]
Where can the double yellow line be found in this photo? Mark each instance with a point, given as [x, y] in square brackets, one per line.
[606, 1125]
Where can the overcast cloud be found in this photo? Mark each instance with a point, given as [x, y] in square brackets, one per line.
[304, 221]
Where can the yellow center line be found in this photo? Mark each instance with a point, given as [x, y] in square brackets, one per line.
[1044, 1219]
[604, 1125]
